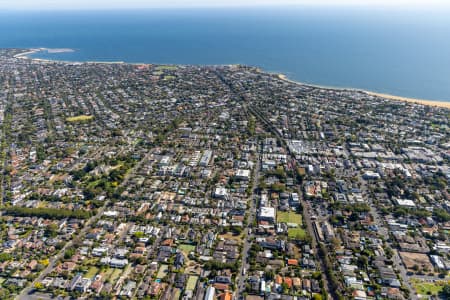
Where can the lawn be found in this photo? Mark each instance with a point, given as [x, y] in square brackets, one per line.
[186, 249]
[91, 272]
[115, 275]
[427, 288]
[90, 262]
[177, 294]
[231, 236]
[162, 271]
[107, 273]
[80, 118]
[289, 217]
[94, 184]
[297, 233]
[191, 283]
[164, 68]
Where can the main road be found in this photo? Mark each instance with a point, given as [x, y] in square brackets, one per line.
[304, 203]
[248, 233]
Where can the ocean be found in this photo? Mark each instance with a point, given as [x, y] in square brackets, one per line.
[404, 52]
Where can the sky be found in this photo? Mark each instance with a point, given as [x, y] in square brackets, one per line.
[116, 4]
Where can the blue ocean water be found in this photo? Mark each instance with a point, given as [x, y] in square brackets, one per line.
[396, 51]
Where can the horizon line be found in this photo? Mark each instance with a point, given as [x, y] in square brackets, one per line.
[222, 6]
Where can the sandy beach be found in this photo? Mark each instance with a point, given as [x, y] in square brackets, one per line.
[443, 104]
[411, 100]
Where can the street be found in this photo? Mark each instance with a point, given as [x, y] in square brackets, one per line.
[248, 234]
[53, 261]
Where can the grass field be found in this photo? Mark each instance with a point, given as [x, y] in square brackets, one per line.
[81, 118]
[297, 233]
[231, 236]
[115, 275]
[191, 283]
[186, 249]
[91, 272]
[90, 262]
[107, 273]
[177, 294]
[162, 68]
[426, 289]
[289, 217]
[162, 272]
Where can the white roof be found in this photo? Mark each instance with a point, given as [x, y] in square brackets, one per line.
[243, 173]
[267, 212]
[111, 213]
[221, 191]
[405, 202]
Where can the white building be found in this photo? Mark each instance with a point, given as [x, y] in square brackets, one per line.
[204, 161]
[370, 175]
[118, 263]
[243, 174]
[99, 251]
[267, 214]
[405, 203]
[220, 193]
[210, 293]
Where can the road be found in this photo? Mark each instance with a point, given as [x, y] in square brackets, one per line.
[384, 232]
[248, 234]
[150, 255]
[403, 274]
[307, 212]
[305, 205]
[53, 261]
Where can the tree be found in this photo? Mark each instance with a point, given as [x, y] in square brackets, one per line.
[284, 287]
[441, 215]
[317, 275]
[269, 275]
[363, 261]
[446, 291]
[139, 234]
[317, 297]
[44, 262]
[49, 213]
[38, 286]
[278, 187]
[69, 253]
[51, 230]
[4, 294]
[5, 257]
[354, 217]
[389, 252]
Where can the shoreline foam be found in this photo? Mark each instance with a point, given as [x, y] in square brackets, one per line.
[434, 103]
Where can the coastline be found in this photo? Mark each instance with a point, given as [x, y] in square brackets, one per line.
[442, 104]
[433, 103]
[26, 55]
